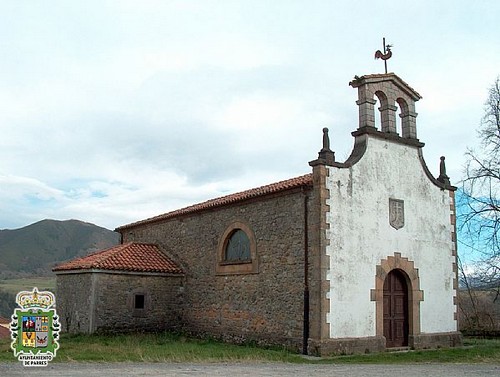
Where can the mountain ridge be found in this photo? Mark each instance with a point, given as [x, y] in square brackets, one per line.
[34, 249]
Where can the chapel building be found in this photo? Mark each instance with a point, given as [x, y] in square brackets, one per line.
[353, 257]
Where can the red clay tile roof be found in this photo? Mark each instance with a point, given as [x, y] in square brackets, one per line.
[131, 256]
[304, 180]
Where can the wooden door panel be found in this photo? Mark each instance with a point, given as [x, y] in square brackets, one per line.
[400, 332]
[399, 306]
[387, 304]
[396, 310]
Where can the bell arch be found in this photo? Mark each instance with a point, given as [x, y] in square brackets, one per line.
[415, 295]
[408, 127]
[387, 113]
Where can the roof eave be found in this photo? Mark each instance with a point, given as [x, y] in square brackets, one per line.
[75, 271]
[186, 212]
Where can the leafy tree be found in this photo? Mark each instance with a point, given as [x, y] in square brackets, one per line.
[481, 192]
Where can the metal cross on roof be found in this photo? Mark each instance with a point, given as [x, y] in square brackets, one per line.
[385, 55]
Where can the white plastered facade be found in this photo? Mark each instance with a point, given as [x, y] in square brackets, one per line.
[360, 237]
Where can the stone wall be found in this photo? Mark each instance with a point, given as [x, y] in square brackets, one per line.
[346, 346]
[265, 306]
[436, 340]
[104, 302]
[114, 302]
[73, 302]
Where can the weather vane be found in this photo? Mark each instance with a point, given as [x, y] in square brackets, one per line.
[385, 55]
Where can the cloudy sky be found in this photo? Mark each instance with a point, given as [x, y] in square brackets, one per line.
[114, 111]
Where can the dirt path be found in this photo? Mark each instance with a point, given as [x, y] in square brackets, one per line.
[247, 370]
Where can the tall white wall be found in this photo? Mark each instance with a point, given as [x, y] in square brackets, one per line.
[360, 237]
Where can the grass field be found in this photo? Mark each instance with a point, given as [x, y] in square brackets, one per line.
[167, 347]
[26, 284]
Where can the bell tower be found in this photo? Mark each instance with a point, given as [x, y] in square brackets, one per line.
[391, 91]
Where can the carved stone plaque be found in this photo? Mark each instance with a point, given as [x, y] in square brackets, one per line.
[396, 213]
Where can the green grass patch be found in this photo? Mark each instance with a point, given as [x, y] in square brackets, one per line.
[474, 351]
[166, 347]
[162, 347]
[26, 284]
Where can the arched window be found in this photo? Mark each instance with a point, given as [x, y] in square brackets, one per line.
[238, 247]
[237, 250]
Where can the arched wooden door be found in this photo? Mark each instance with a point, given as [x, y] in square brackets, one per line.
[396, 321]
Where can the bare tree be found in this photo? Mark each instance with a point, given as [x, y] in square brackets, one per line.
[479, 216]
[481, 187]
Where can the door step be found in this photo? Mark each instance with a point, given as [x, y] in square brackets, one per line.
[398, 349]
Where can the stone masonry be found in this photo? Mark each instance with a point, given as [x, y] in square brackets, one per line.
[110, 307]
[266, 307]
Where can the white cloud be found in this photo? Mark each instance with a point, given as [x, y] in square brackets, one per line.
[114, 111]
[16, 186]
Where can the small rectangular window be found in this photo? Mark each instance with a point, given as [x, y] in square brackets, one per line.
[139, 302]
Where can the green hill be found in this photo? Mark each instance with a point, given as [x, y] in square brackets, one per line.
[36, 248]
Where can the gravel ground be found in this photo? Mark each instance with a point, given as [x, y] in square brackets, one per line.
[248, 369]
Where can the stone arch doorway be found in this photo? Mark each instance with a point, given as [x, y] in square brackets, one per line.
[396, 317]
[415, 295]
